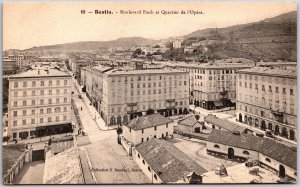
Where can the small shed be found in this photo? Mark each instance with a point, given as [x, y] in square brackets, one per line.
[190, 124]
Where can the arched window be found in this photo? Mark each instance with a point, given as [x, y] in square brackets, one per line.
[143, 161]
[139, 155]
[246, 153]
[149, 168]
[217, 146]
[155, 176]
[268, 160]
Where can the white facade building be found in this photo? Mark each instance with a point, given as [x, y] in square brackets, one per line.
[146, 127]
[39, 103]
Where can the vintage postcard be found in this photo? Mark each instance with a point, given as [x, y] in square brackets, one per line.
[149, 92]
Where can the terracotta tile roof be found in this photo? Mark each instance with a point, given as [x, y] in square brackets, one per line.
[228, 138]
[268, 147]
[41, 73]
[279, 152]
[148, 121]
[224, 124]
[60, 144]
[189, 121]
[11, 154]
[63, 168]
[163, 157]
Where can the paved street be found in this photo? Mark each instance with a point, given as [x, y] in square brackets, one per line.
[105, 154]
[31, 173]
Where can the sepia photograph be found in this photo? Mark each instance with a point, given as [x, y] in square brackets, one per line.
[149, 92]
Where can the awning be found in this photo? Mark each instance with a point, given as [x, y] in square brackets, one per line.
[218, 103]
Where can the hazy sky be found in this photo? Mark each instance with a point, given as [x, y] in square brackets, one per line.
[34, 24]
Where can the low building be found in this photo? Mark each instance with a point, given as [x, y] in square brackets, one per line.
[189, 124]
[63, 168]
[14, 156]
[214, 122]
[188, 49]
[163, 163]
[146, 127]
[279, 158]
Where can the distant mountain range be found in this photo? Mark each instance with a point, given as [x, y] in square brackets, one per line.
[270, 39]
[94, 45]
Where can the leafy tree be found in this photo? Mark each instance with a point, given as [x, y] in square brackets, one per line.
[138, 51]
[157, 46]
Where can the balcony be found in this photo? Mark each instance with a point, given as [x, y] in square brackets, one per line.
[170, 100]
[223, 93]
[278, 115]
[131, 104]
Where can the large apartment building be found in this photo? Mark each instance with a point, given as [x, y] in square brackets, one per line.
[267, 99]
[123, 94]
[212, 85]
[39, 103]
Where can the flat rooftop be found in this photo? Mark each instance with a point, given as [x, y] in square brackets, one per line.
[143, 71]
[288, 71]
[239, 174]
[40, 73]
[11, 154]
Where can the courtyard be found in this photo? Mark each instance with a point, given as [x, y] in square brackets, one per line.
[197, 151]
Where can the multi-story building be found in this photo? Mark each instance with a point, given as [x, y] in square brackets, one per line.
[39, 103]
[177, 44]
[212, 85]
[18, 58]
[267, 98]
[123, 94]
[9, 66]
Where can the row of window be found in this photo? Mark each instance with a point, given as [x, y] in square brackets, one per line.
[227, 77]
[143, 78]
[42, 102]
[244, 152]
[41, 92]
[150, 105]
[139, 92]
[269, 104]
[149, 169]
[25, 84]
[155, 128]
[268, 79]
[42, 111]
[263, 88]
[41, 120]
[209, 71]
[144, 85]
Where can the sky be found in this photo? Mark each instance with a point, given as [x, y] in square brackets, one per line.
[36, 24]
